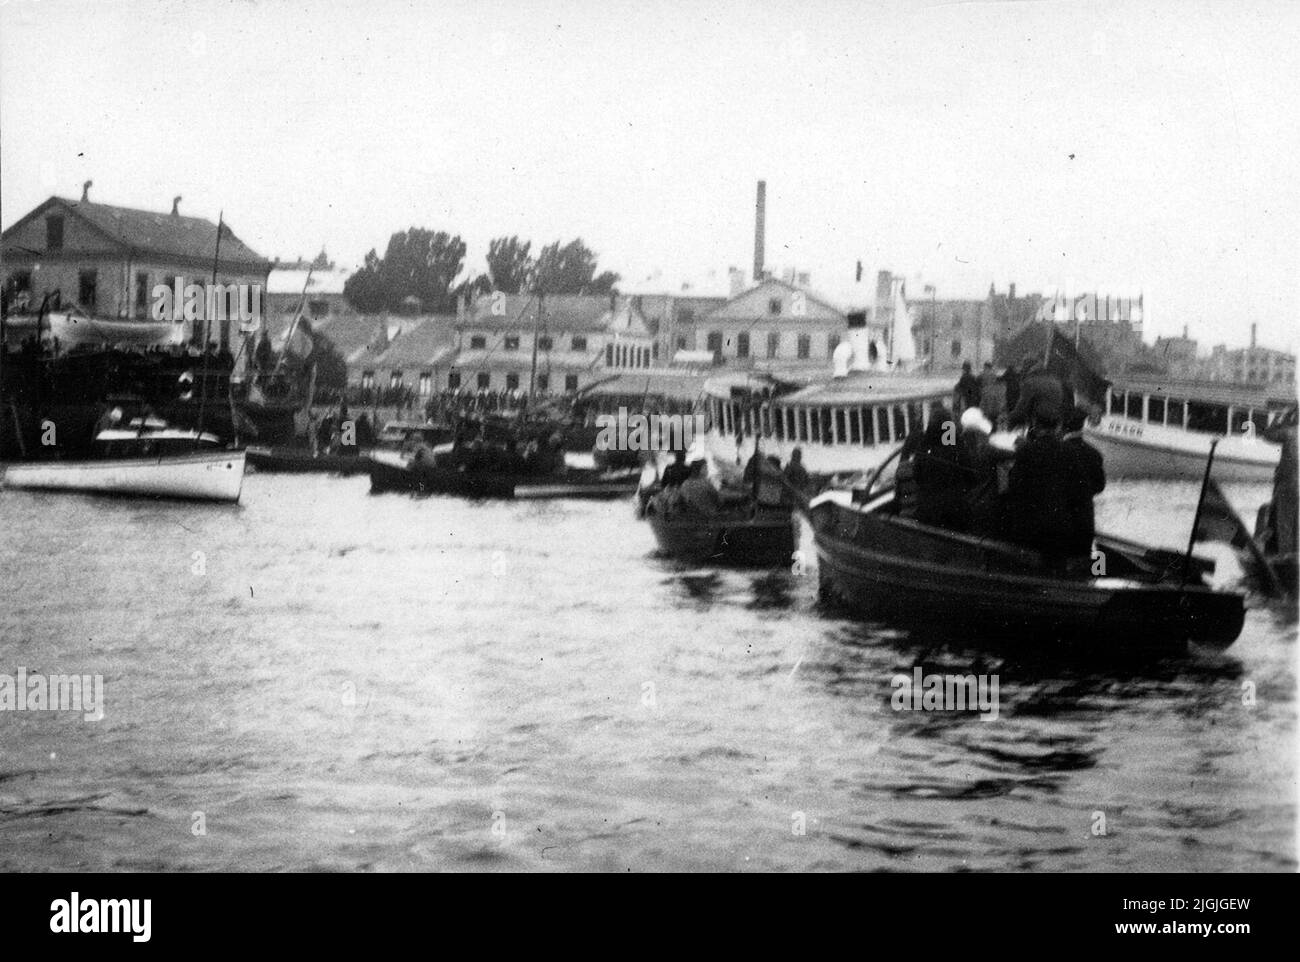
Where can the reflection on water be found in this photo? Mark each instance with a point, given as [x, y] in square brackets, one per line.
[338, 681]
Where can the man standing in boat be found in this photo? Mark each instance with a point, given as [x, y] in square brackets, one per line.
[1042, 397]
[1088, 481]
[966, 393]
[795, 473]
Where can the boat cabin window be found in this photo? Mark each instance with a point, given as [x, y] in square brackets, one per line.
[1175, 409]
[1243, 416]
[841, 426]
[824, 416]
[779, 424]
[1133, 405]
[899, 428]
[1211, 418]
[855, 426]
[1156, 410]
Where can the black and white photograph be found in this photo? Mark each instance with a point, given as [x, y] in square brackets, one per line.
[649, 437]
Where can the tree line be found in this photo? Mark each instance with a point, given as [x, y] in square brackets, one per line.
[424, 265]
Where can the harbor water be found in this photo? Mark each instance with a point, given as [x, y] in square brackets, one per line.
[321, 679]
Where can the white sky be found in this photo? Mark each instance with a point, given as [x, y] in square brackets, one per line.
[1121, 147]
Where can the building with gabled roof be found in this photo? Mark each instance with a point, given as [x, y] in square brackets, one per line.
[579, 338]
[774, 323]
[107, 260]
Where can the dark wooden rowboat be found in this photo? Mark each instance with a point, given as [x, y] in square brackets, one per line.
[392, 471]
[896, 569]
[287, 460]
[763, 537]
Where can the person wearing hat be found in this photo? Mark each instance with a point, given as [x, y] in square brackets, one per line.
[1042, 397]
[980, 460]
[1088, 479]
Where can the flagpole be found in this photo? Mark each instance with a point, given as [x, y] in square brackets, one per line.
[207, 333]
[1196, 520]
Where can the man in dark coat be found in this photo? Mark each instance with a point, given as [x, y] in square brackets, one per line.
[1089, 480]
[940, 480]
[966, 393]
[1042, 398]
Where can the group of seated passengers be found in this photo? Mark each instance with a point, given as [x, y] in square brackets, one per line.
[952, 476]
[688, 484]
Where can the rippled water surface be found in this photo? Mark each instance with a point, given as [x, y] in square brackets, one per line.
[342, 681]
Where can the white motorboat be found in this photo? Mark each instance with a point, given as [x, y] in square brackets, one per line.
[149, 460]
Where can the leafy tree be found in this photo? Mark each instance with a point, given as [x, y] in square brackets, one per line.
[331, 368]
[510, 266]
[418, 263]
[364, 290]
[571, 269]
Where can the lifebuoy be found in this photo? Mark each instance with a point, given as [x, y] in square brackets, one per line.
[186, 382]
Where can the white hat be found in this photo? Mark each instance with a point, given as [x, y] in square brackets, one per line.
[974, 418]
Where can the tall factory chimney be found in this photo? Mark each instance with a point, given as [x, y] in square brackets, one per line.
[760, 227]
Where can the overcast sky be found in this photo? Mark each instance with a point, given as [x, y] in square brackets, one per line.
[1119, 147]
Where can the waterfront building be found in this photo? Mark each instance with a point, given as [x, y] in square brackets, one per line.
[105, 261]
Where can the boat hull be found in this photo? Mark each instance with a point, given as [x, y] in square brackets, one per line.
[201, 476]
[767, 541]
[392, 472]
[906, 573]
[1131, 449]
[298, 461]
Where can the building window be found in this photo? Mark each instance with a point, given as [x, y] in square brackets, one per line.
[426, 383]
[681, 343]
[579, 343]
[453, 380]
[87, 284]
[512, 342]
[318, 309]
[395, 380]
[609, 355]
[544, 342]
[54, 232]
[774, 305]
[367, 379]
[543, 382]
[512, 382]
[832, 342]
[571, 382]
[484, 380]
[477, 342]
[956, 321]
[773, 344]
[654, 352]
[742, 344]
[21, 282]
[715, 341]
[686, 315]
[805, 346]
[956, 348]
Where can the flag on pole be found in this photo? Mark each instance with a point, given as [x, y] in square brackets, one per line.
[1218, 520]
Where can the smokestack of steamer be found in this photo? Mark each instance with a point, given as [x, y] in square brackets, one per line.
[760, 227]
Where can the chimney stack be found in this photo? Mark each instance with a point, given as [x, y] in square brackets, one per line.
[760, 228]
[176, 206]
[1252, 337]
[85, 191]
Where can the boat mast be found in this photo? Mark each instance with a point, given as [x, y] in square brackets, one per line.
[207, 333]
[537, 327]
